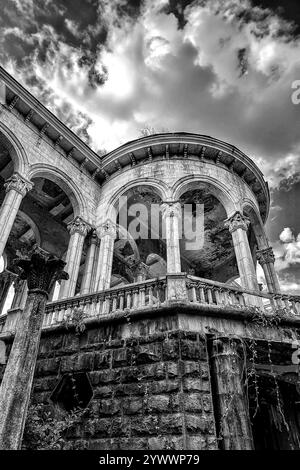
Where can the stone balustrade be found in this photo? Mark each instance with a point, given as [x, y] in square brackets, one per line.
[204, 291]
[156, 293]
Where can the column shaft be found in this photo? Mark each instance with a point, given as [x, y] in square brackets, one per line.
[172, 215]
[231, 400]
[107, 234]
[238, 225]
[16, 188]
[266, 259]
[88, 266]
[41, 271]
[78, 230]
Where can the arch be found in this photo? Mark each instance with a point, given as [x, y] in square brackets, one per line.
[218, 189]
[17, 152]
[66, 183]
[160, 189]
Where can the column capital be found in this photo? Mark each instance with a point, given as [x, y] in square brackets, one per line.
[265, 255]
[171, 209]
[41, 270]
[108, 228]
[236, 221]
[78, 225]
[17, 183]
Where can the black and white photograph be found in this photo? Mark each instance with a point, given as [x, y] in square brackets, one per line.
[149, 230]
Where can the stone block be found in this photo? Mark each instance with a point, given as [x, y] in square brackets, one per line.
[157, 404]
[120, 357]
[170, 350]
[47, 366]
[148, 353]
[109, 407]
[102, 360]
[192, 350]
[171, 423]
[133, 405]
[193, 402]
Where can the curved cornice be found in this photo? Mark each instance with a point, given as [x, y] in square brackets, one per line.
[184, 145]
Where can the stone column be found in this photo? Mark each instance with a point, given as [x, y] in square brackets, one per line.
[20, 296]
[107, 234]
[41, 271]
[231, 397]
[140, 271]
[266, 259]
[78, 229]
[238, 226]
[89, 262]
[171, 213]
[6, 280]
[16, 188]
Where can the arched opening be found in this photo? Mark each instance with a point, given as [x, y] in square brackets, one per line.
[140, 243]
[42, 219]
[212, 255]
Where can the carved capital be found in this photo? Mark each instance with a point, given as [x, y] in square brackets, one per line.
[107, 229]
[41, 269]
[170, 209]
[265, 256]
[78, 225]
[236, 221]
[17, 183]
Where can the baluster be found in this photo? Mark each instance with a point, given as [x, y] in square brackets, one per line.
[192, 288]
[142, 296]
[286, 302]
[114, 301]
[121, 300]
[150, 295]
[218, 296]
[101, 301]
[209, 295]
[55, 315]
[241, 299]
[202, 293]
[128, 299]
[135, 298]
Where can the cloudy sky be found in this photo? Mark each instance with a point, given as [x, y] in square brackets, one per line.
[224, 68]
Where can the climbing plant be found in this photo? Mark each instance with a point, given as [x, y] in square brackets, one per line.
[75, 319]
[45, 429]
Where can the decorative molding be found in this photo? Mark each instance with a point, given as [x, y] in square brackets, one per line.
[265, 256]
[171, 209]
[107, 229]
[78, 225]
[236, 221]
[19, 184]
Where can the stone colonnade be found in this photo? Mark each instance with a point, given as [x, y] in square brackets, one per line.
[99, 258]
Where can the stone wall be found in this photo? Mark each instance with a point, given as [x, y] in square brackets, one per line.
[150, 390]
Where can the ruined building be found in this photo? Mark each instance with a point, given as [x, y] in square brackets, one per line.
[166, 344]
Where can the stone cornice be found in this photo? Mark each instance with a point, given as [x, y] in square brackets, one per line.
[143, 150]
[193, 146]
[38, 108]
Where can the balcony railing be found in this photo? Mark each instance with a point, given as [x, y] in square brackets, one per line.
[155, 293]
